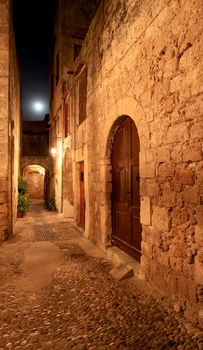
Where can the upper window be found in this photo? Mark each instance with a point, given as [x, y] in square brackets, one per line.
[82, 95]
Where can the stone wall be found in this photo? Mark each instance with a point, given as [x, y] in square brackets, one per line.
[35, 138]
[14, 108]
[35, 159]
[37, 182]
[34, 176]
[9, 122]
[4, 121]
[68, 198]
[69, 34]
[39, 160]
[144, 61]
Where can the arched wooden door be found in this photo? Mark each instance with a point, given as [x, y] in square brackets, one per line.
[126, 196]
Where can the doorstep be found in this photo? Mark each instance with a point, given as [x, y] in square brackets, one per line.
[125, 264]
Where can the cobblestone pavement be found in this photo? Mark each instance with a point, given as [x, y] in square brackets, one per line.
[84, 307]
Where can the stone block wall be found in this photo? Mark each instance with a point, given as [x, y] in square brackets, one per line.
[36, 171]
[15, 120]
[4, 119]
[35, 138]
[35, 160]
[68, 199]
[9, 122]
[69, 33]
[34, 176]
[144, 60]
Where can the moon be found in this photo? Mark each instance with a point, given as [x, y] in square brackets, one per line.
[38, 106]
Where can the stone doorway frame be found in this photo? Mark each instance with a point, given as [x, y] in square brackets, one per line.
[127, 107]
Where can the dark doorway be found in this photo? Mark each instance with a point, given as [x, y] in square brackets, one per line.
[82, 196]
[126, 197]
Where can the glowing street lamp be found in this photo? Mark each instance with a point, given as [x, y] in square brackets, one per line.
[53, 151]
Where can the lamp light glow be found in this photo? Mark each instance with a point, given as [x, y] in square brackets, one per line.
[53, 151]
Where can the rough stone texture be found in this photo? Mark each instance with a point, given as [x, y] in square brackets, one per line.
[161, 219]
[79, 306]
[35, 141]
[39, 160]
[145, 211]
[144, 60]
[34, 176]
[9, 122]
[5, 225]
[68, 198]
[35, 161]
[15, 126]
[69, 34]
[121, 272]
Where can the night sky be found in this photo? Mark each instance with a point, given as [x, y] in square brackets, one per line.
[32, 25]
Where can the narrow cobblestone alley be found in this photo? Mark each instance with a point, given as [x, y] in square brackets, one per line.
[81, 306]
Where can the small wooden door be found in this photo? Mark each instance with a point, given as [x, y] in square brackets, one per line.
[126, 196]
[82, 196]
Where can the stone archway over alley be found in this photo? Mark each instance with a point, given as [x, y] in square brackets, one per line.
[56, 292]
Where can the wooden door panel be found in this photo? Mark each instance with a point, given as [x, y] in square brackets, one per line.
[119, 186]
[119, 156]
[122, 226]
[135, 187]
[125, 196]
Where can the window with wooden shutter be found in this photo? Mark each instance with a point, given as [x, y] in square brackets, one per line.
[82, 95]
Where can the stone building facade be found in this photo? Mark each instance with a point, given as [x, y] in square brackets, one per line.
[9, 122]
[35, 162]
[131, 129]
[71, 25]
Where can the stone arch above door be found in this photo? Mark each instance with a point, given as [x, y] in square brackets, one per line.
[126, 107]
[42, 161]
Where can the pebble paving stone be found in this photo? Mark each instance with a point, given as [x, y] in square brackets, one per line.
[85, 308]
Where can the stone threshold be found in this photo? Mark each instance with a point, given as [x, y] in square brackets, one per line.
[125, 265]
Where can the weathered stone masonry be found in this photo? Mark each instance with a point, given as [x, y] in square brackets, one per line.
[69, 35]
[35, 162]
[144, 60]
[9, 122]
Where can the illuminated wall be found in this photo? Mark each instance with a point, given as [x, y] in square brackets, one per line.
[144, 61]
[9, 122]
[34, 176]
